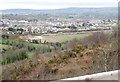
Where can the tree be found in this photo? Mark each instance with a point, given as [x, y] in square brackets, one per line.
[11, 29]
[5, 36]
[20, 30]
[35, 41]
[73, 27]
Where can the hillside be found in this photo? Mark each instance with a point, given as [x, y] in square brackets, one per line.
[95, 53]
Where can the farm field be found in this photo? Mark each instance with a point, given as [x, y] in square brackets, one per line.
[64, 37]
[40, 45]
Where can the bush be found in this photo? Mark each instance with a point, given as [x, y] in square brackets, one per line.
[56, 60]
[79, 48]
[69, 54]
[95, 38]
[62, 58]
[20, 55]
[31, 48]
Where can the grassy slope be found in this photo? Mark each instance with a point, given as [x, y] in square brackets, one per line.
[80, 65]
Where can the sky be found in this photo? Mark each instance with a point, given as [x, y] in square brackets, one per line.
[55, 4]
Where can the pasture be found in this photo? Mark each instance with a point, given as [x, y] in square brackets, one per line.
[64, 37]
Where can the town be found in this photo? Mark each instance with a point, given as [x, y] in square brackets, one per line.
[54, 25]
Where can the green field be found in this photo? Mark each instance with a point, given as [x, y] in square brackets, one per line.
[40, 45]
[64, 37]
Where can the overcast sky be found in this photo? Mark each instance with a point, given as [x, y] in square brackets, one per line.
[55, 4]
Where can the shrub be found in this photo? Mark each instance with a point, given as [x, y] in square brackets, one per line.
[20, 55]
[59, 59]
[95, 38]
[55, 60]
[79, 48]
[69, 54]
[62, 58]
[31, 48]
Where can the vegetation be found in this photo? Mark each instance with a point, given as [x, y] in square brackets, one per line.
[64, 37]
[11, 29]
[15, 56]
[22, 51]
[93, 54]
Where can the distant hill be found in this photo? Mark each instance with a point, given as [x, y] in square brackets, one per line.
[103, 12]
[64, 10]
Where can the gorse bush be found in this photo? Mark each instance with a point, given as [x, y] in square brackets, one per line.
[62, 58]
[56, 60]
[68, 54]
[79, 48]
